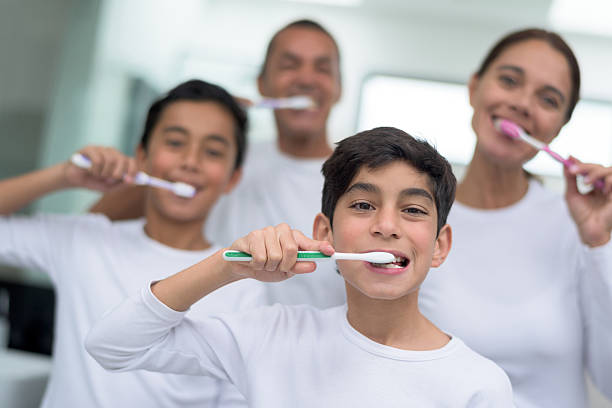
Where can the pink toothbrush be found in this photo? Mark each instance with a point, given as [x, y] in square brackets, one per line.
[516, 132]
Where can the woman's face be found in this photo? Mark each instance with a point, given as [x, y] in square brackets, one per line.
[529, 84]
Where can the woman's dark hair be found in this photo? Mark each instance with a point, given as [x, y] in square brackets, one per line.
[552, 39]
[378, 147]
[200, 91]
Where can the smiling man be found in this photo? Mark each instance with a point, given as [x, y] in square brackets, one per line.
[282, 179]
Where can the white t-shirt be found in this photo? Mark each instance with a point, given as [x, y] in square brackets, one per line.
[520, 288]
[94, 264]
[295, 356]
[277, 188]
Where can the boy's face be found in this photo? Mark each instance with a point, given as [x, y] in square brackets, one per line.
[387, 209]
[303, 61]
[193, 142]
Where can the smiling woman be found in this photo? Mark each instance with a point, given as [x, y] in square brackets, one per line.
[541, 281]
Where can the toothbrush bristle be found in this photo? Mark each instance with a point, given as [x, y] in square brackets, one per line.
[183, 189]
[381, 257]
[507, 128]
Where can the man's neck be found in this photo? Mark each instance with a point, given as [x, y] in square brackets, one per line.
[312, 146]
[396, 323]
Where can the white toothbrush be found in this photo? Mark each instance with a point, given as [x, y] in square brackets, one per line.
[372, 257]
[142, 178]
[292, 102]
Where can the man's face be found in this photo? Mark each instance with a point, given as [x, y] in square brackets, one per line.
[303, 61]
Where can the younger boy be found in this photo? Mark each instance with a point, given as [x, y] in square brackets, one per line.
[195, 134]
[383, 191]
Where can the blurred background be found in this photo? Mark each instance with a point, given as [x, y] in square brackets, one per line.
[83, 72]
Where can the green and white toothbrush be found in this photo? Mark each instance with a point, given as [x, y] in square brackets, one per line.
[313, 256]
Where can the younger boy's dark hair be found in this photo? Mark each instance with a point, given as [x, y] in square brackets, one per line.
[378, 147]
[200, 91]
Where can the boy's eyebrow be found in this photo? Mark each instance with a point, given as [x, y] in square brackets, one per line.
[414, 191]
[179, 129]
[175, 128]
[371, 188]
[218, 138]
[520, 71]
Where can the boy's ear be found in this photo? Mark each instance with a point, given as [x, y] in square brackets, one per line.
[443, 246]
[260, 85]
[233, 181]
[141, 157]
[321, 230]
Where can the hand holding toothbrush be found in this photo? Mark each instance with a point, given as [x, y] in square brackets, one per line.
[592, 212]
[274, 252]
[100, 168]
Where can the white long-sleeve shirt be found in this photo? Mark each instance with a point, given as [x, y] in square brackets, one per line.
[94, 264]
[519, 288]
[277, 188]
[295, 356]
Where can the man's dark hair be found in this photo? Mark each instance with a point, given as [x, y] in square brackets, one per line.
[380, 146]
[303, 23]
[200, 91]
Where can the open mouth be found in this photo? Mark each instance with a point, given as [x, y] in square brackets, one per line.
[399, 263]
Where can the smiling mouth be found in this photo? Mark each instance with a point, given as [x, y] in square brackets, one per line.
[399, 263]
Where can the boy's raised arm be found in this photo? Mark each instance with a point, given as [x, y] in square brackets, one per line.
[123, 203]
[107, 170]
[274, 252]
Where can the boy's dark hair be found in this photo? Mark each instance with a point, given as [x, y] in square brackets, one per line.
[200, 91]
[378, 147]
[303, 23]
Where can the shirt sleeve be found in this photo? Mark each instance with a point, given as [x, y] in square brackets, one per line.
[596, 301]
[37, 242]
[143, 333]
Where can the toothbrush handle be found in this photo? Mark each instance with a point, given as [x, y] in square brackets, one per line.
[568, 163]
[80, 160]
[238, 256]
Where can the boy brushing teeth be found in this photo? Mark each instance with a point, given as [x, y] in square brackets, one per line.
[383, 191]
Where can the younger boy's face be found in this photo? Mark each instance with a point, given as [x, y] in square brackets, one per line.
[388, 209]
[193, 142]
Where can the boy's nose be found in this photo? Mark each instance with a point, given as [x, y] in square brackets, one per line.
[386, 224]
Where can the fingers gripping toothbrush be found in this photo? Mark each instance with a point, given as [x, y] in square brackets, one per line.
[142, 178]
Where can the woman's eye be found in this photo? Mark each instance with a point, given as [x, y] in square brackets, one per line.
[550, 102]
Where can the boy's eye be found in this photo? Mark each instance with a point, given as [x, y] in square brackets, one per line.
[215, 153]
[507, 80]
[415, 211]
[362, 206]
[174, 142]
